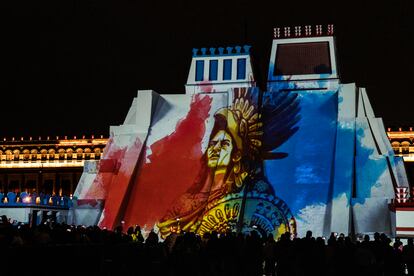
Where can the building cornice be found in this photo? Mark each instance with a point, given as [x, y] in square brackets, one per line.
[34, 153]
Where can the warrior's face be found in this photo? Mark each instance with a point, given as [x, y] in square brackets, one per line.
[219, 150]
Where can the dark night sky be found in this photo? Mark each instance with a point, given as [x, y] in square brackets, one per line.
[73, 67]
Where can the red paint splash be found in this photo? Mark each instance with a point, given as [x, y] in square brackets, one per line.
[174, 164]
[206, 86]
[106, 168]
[117, 190]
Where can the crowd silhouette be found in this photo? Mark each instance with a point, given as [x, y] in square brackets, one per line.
[61, 249]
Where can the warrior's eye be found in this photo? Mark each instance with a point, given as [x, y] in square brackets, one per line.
[212, 143]
[225, 143]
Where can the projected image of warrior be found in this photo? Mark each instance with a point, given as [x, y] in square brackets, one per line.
[231, 162]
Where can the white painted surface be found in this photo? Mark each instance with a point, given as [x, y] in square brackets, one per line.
[19, 214]
[346, 104]
[372, 215]
[22, 214]
[405, 218]
[86, 216]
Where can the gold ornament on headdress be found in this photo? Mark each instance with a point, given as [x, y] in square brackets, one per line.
[250, 128]
[244, 126]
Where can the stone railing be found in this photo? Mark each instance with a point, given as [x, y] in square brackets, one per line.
[42, 150]
[35, 200]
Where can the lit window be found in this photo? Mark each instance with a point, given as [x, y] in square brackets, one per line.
[241, 68]
[227, 69]
[199, 70]
[213, 70]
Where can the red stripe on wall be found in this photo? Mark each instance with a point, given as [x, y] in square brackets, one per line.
[405, 228]
[404, 208]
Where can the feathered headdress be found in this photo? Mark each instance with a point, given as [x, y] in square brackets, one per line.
[258, 135]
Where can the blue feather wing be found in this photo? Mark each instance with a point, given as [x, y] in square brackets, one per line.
[280, 114]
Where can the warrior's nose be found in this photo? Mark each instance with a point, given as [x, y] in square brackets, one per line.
[217, 146]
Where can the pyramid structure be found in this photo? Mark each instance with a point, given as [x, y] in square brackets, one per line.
[306, 154]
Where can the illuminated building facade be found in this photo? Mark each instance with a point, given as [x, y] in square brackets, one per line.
[402, 142]
[40, 175]
[51, 166]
